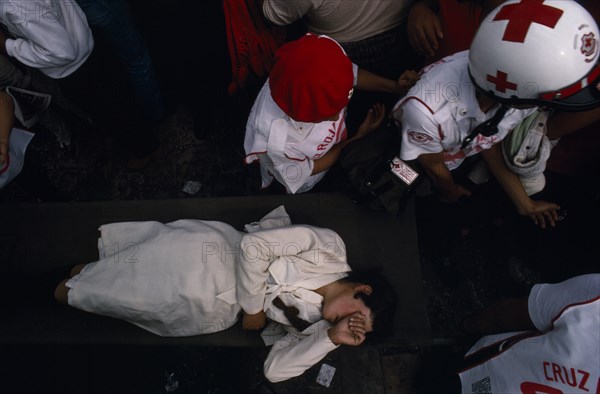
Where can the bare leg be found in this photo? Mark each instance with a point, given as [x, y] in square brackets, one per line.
[76, 270]
[61, 293]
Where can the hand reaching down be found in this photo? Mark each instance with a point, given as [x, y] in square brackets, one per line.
[372, 121]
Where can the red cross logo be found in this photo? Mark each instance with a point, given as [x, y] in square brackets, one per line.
[522, 15]
[501, 82]
[588, 47]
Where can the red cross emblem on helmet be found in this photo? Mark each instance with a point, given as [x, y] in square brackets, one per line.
[588, 44]
[522, 15]
[501, 82]
[538, 52]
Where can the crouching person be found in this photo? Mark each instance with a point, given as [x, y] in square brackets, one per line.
[296, 128]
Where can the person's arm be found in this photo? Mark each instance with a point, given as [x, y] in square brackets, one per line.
[541, 212]
[296, 352]
[373, 120]
[537, 311]
[441, 177]
[368, 81]
[7, 110]
[421, 142]
[424, 27]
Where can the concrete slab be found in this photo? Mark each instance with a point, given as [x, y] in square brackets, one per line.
[42, 237]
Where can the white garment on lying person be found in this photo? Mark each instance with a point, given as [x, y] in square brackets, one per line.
[190, 277]
[175, 279]
[290, 263]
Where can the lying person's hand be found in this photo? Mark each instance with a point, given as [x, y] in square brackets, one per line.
[254, 321]
[351, 330]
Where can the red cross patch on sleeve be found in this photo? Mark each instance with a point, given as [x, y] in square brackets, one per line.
[419, 138]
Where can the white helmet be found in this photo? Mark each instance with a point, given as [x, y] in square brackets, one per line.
[542, 52]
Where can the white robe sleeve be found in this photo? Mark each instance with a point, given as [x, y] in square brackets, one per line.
[296, 352]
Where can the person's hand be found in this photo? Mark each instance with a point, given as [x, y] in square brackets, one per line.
[406, 81]
[541, 212]
[372, 121]
[424, 29]
[254, 321]
[453, 193]
[351, 330]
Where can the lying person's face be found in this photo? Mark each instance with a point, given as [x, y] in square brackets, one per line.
[344, 305]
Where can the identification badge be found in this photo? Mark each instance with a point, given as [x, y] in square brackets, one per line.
[403, 171]
[325, 375]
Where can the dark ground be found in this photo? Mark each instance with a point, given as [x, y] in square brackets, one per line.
[502, 255]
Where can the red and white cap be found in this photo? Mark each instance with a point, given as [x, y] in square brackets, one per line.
[312, 78]
[542, 52]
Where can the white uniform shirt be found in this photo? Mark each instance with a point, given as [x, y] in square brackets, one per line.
[342, 20]
[286, 149]
[563, 357]
[440, 111]
[51, 35]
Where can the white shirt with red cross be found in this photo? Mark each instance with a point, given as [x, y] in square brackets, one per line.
[440, 111]
[562, 357]
[286, 149]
